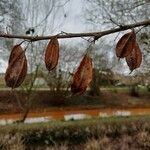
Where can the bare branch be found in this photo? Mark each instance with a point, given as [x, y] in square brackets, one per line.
[96, 35]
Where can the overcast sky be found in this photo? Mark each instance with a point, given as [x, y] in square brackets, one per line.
[71, 18]
[73, 21]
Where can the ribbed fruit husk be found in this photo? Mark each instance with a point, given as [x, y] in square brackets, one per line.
[52, 54]
[126, 44]
[83, 75]
[135, 58]
[17, 67]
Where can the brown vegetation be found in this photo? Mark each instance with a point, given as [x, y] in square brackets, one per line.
[105, 134]
[46, 99]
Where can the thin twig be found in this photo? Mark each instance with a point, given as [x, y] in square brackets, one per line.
[83, 34]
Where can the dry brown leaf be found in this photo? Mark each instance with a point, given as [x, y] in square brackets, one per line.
[125, 45]
[135, 58]
[83, 75]
[17, 67]
[52, 54]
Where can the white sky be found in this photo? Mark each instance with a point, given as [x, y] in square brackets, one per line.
[73, 22]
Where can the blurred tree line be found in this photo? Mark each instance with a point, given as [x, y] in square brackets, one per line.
[36, 17]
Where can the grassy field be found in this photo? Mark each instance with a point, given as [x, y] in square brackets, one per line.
[92, 134]
[43, 99]
[113, 133]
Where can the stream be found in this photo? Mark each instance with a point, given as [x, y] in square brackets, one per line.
[61, 114]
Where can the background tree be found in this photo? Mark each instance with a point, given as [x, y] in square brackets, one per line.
[101, 15]
[10, 22]
[31, 18]
[39, 19]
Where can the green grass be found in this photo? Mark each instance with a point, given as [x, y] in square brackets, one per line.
[61, 123]
[73, 133]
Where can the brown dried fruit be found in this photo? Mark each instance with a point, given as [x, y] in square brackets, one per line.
[135, 58]
[52, 54]
[15, 52]
[83, 75]
[17, 67]
[126, 44]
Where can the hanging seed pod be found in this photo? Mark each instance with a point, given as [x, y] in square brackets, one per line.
[83, 75]
[52, 54]
[125, 45]
[135, 58]
[17, 67]
[15, 52]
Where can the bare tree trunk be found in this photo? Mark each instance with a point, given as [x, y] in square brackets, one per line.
[29, 98]
[94, 88]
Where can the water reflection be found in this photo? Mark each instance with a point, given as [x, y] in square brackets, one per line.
[76, 117]
[28, 120]
[38, 119]
[103, 114]
[122, 113]
[6, 121]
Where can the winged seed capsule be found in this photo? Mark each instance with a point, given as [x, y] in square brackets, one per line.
[17, 67]
[82, 76]
[52, 54]
[126, 44]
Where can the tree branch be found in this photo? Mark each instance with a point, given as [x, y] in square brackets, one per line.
[96, 35]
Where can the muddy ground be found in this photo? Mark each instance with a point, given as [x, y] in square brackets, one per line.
[16, 101]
